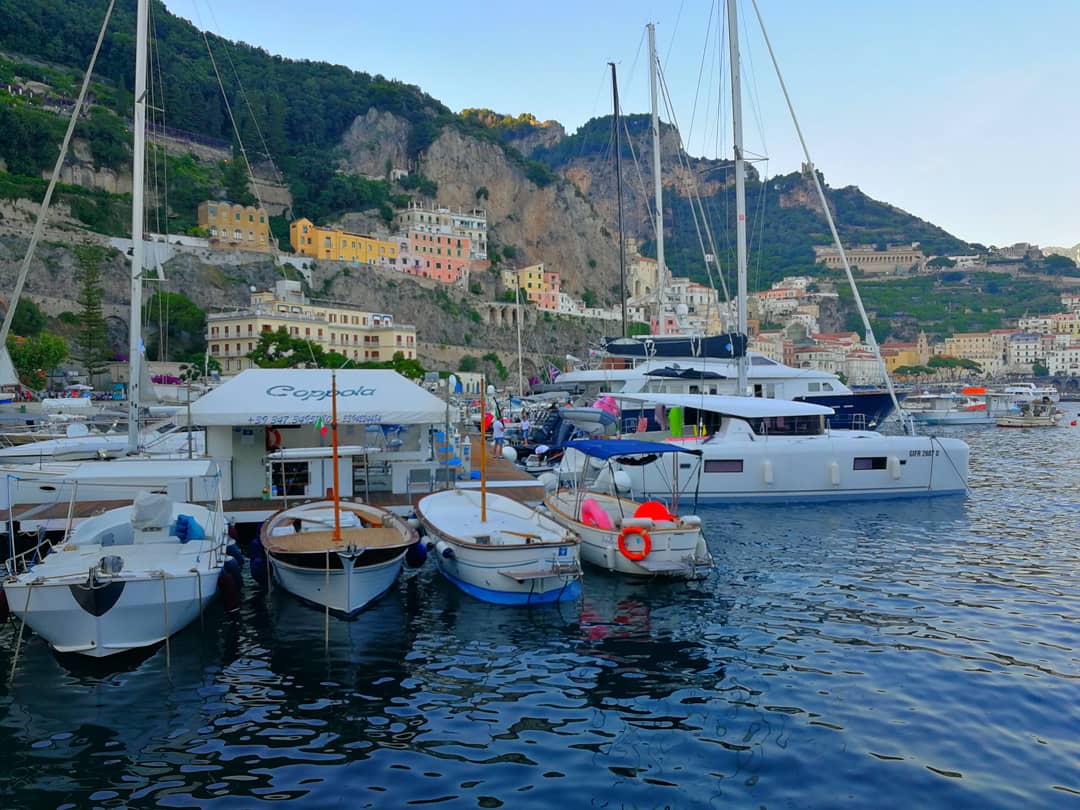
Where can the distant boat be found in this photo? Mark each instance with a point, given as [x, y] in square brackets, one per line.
[1037, 413]
[500, 550]
[1027, 391]
[347, 574]
[973, 405]
[626, 536]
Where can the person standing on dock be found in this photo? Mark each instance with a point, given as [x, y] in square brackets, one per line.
[498, 435]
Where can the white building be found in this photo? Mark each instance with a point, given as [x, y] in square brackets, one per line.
[1064, 362]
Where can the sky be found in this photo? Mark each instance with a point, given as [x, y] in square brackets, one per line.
[961, 112]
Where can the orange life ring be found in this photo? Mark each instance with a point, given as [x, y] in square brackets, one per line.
[273, 439]
[646, 543]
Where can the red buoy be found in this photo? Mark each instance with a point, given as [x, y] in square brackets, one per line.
[229, 590]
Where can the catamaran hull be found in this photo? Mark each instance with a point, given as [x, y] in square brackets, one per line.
[830, 467]
[349, 589]
[132, 612]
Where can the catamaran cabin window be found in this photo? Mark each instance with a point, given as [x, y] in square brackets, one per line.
[869, 463]
[724, 465]
[787, 425]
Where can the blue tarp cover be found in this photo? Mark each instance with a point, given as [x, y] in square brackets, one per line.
[609, 448]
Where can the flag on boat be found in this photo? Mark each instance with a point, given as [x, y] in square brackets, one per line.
[553, 372]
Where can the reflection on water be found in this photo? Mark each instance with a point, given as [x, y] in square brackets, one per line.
[837, 655]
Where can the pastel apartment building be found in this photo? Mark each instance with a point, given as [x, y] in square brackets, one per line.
[440, 256]
[540, 285]
[234, 227]
[471, 225]
[334, 244]
[350, 331]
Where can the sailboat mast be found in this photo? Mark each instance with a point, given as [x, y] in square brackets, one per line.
[137, 261]
[740, 191]
[658, 190]
[618, 194]
[334, 453]
[518, 314]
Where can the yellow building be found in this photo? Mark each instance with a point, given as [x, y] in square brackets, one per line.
[357, 334]
[235, 227]
[334, 244]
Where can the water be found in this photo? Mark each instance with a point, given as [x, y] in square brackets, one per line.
[893, 654]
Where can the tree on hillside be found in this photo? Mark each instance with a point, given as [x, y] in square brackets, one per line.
[35, 357]
[1057, 265]
[199, 366]
[954, 365]
[234, 175]
[93, 335]
[941, 261]
[29, 319]
[281, 350]
[175, 326]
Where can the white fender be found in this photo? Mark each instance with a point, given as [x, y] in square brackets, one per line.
[443, 548]
[834, 473]
[767, 471]
[894, 468]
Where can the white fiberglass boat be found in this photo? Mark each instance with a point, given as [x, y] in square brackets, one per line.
[627, 536]
[500, 550]
[775, 450]
[1038, 413]
[347, 574]
[125, 579]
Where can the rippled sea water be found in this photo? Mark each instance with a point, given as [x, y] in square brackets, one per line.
[920, 654]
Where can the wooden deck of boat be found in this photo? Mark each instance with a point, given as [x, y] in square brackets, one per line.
[501, 476]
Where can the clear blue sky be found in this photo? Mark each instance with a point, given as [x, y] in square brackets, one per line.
[962, 112]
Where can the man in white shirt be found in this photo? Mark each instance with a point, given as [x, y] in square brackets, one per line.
[498, 434]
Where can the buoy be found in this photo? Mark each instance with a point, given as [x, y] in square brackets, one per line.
[257, 562]
[229, 591]
[260, 571]
[443, 548]
[234, 570]
[415, 555]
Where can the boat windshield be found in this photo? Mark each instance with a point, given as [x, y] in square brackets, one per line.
[810, 425]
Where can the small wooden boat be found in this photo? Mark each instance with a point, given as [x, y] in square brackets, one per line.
[624, 535]
[500, 550]
[347, 574]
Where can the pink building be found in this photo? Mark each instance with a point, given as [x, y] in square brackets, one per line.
[443, 257]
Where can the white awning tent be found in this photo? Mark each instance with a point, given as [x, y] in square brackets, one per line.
[267, 397]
